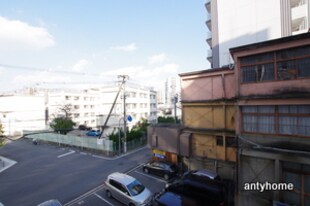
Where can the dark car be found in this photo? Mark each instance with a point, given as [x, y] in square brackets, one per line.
[166, 170]
[201, 184]
[168, 198]
[83, 127]
[201, 174]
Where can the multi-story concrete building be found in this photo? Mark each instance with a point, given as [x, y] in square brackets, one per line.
[82, 106]
[169, 98]
[140, 103]
[238, 22]
[273, 120]
[22, 112]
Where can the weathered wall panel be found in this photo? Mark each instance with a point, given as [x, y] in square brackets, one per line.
[208, 85]
[209, 116]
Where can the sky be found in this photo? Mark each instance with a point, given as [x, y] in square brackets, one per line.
[75, 43]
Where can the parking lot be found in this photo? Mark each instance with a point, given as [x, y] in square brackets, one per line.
[98, 195]
[44, 172]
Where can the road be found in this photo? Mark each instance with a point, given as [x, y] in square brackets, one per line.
[47, 172]
[98, 196]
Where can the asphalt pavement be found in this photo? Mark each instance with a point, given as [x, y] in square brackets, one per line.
[44, 172]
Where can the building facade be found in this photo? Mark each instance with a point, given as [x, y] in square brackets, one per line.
[22, 112]
[273, 120]
[82, 105]
[240, 22]
[140, 103]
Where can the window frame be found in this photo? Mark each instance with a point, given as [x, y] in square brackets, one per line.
[275, 61]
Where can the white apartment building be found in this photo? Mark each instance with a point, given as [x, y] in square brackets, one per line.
[83, 105]
[22, 112]
[140, 103]
[239, 22]
[169, 98]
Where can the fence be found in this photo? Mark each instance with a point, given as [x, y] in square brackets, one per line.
[100, 145]
[108, 147]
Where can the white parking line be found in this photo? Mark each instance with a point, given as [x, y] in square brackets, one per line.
[87, 194]
[66, 154]
[151, 177]
[101, 198]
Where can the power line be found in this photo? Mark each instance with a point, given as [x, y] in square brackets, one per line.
[26, 68]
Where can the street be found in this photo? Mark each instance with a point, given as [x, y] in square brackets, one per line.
[44, 172]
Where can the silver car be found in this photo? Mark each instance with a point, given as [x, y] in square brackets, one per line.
[127, 190]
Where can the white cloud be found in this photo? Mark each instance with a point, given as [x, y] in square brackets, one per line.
[18, 35]
[158, 58]
[80, 65]
[153, 77]
[127, 48]
[130, 71]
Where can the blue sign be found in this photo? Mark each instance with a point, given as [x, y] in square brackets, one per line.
[160, 156]
[129, 118]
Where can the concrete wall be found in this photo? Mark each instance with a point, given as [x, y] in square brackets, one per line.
[208, 85]
[244, 22]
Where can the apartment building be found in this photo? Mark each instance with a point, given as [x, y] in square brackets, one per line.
[22, 112]
[140, 103]
[82, 106]
[273, 119]
[239, 22]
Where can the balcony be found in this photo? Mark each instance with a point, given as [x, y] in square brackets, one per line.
[209, 38]
[208, 5]
[299, 25]
[299, 12]
[209, 56]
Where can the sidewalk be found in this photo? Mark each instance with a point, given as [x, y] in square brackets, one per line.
[6, 163]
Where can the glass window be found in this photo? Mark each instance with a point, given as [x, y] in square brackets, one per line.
[219, 141]
[258, 73]
[290, 64]
[288, 120]
[231, 142]
[135, 188]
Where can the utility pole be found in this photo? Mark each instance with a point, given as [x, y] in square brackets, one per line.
[175, 100]
[124, 77]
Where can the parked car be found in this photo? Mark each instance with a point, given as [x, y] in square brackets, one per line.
[201, 173]
[50, 203]
[84, 127]
[167, 198]
[200, 184]
[93, 133]
[166, 170]
[127, 190]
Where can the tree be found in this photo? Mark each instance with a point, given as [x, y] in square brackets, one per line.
[1, 129]
[167, 120]
[66, 110]
[62, 125]
[1, 135]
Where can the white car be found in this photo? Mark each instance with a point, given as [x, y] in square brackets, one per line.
[127, 190]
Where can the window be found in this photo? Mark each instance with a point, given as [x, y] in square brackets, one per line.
[280, 65]
[294, 120]
[118, 185]
[284, 119]
[231, 142]
[258, 73]
[299, 176]
[219, 141]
